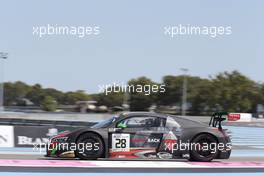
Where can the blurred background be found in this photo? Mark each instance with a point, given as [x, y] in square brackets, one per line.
[227, 91]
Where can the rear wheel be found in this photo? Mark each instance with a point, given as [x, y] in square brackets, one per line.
[89, 146]
[204, 148]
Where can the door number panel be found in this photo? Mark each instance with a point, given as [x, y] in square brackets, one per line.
[120, 142]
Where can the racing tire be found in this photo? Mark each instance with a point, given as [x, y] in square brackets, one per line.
[95, 145]
[207, 154]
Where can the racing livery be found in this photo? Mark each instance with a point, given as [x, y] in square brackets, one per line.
[145, 135]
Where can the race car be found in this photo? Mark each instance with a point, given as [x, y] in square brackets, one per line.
[145, 135]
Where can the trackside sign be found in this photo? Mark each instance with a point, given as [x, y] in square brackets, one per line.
[239, 117]
[233, 117]
[6, 136]
[27, 136]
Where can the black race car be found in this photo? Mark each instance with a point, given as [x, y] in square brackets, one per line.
[145, 135]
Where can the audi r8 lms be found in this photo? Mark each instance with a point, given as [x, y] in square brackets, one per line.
[145, 135]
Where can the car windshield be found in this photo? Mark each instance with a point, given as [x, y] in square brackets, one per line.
[105, 123]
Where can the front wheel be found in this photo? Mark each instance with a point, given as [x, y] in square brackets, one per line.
[90, 146]
[204, 148]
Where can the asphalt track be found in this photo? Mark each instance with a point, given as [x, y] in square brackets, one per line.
[247, 157]
[23, 160]
[113, 166]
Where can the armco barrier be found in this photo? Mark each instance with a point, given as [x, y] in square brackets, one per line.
[31, 122]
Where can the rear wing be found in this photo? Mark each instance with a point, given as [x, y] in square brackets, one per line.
[217, 118]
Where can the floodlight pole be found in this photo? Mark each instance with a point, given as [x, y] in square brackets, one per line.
[126, 100]
[184, 91]
[3, 56]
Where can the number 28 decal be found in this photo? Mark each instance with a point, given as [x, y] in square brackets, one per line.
[120, 142]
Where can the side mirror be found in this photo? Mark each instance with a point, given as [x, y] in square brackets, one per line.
[114, 130]
[121, 125]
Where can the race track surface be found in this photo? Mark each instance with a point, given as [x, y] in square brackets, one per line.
[247, 157]
[66, 166]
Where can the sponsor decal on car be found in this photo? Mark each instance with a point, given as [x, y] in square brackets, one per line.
[164, 155]
[120, 142]
[153, 140]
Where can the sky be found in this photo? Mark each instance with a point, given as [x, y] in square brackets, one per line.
[131, 42]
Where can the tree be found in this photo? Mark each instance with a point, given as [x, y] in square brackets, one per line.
[14, 92]
[234, 92]
[227, 91]
[49, 104]
[110, 100]
[36, 94]
[173, 92]
[9, 94]
[139, 101]
[200, 95]
[71, 98]
[56, 94]
[198, 90]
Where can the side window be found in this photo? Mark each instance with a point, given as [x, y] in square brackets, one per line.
[141, 122]
[171, 123]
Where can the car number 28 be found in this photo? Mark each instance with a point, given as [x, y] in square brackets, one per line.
[120, 142]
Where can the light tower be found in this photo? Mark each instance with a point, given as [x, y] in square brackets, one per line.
[184, 91]
[3, 56]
